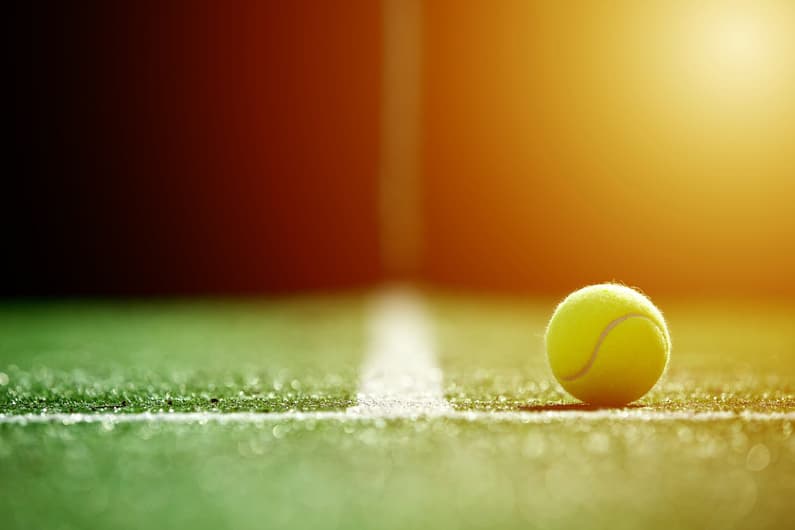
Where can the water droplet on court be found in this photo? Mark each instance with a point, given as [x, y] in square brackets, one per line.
[758, 458]
[279, 431]
[598, 443]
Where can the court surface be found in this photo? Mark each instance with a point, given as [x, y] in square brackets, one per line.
[382, 410]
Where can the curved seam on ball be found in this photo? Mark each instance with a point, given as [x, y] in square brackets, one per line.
[584, 370]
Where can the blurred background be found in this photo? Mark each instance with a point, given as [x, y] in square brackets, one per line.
[201, 147]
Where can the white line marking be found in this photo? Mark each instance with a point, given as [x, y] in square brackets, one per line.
[400, 375]
[519, 416]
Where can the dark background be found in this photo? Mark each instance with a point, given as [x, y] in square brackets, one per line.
[180, 147]
[192, 146]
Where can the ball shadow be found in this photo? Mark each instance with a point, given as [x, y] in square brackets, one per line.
[572, 406]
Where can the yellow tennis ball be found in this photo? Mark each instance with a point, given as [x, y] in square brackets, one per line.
[607, 344]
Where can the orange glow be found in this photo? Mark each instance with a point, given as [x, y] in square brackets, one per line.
[647, 142]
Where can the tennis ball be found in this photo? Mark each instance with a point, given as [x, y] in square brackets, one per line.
[607, 344]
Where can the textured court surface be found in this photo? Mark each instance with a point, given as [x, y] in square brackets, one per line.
[711, 447]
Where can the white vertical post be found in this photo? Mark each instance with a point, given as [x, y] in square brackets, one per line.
[399, 178]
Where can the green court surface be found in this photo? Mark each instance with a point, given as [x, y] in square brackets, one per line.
[181, 355]
[727, 355]
[711, 447]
